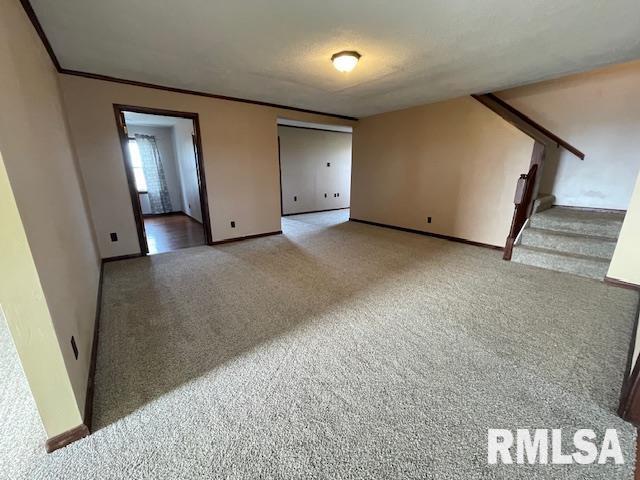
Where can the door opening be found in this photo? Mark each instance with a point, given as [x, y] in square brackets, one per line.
[315, 172]
[163, 161]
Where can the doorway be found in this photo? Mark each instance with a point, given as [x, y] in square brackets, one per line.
[162, 154]
[315, 167]
[315, 175]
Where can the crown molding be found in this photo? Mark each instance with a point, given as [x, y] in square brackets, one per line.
[28, 8]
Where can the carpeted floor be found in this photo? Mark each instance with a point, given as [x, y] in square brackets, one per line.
[337, 350]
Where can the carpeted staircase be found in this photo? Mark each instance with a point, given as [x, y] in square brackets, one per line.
[569, 240]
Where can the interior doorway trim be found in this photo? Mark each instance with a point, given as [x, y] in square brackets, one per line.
[280, 177]
[119, 110]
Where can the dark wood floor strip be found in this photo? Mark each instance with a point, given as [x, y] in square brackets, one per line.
[166, 233]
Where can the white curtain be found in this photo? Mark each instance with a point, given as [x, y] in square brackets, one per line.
[159, 198]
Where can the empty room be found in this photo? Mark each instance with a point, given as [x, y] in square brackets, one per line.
[315, 173]
[161, 159]
[319, 240]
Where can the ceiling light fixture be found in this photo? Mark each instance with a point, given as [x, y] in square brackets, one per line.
[346, 60]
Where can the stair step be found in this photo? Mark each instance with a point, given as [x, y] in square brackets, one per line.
[593, 246]
[559, 219]
[543, 202]
[582, 265]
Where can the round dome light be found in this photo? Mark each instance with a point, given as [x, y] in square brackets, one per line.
[345, 61]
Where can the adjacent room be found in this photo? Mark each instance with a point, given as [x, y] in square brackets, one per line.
[319, 240]
[315, 172]
[162, 159]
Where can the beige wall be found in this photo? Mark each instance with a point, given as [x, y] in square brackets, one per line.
[636, 350]
[625, 264]
[64, 268]
[183, 131]
[599, 113]
[240, 154]
[304, 154]
[455, 161]
[24, 306]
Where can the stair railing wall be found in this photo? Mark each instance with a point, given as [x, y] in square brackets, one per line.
[524, 123]
[528, 183]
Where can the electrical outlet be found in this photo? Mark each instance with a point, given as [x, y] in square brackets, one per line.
[114, 236]
[428, 219]
[295, 198]
[233, 224]
[325, 195]
[74, 347]
[338, 194]
[328, 164]
[189, 206]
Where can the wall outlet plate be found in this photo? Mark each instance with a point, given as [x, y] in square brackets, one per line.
[233, 224]
[114, 236]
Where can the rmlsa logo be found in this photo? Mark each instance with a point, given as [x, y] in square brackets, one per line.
[535, 448]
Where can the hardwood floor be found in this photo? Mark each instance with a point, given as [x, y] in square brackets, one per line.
[172, 232]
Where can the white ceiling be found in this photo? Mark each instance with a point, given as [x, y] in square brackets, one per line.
[148, 120]
[413, 51]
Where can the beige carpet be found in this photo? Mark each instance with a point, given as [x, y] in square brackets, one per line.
[338, 350]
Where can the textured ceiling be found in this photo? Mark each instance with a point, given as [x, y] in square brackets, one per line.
[413, 51]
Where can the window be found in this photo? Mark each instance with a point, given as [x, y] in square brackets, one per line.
[136, 163]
